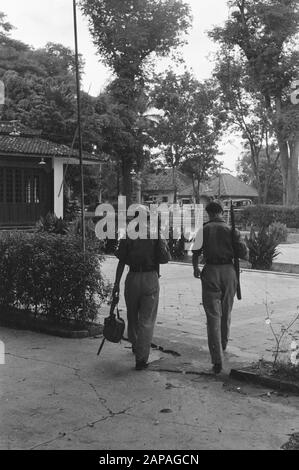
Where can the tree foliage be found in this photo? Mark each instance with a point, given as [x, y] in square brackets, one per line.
[245, 113]
[270, 178]
[40, 93]
[127, 35]
[128, 32]
[190, 130]
[264, 32]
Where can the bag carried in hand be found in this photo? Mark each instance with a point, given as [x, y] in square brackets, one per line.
[114, 326]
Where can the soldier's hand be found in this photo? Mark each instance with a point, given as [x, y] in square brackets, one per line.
[196, 273]
[115, 292]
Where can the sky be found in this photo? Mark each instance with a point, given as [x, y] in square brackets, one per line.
[40, 21]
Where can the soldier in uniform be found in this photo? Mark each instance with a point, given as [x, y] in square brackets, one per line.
[219, 279]
[143, 256]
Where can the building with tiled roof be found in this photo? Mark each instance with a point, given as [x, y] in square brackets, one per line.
[159, 188]
[227, 186]
[32, 174]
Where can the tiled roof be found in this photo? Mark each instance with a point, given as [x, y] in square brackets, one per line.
[35, 146]
[163, 181]
[19, 140]
[16, 128]
[230, 186]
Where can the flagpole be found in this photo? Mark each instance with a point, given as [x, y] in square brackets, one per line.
[79, 125]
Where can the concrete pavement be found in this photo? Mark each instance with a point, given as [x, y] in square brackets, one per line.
[182, 314]
[57, 394]
[288, 254]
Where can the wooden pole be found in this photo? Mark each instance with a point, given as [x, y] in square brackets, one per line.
[79, 125]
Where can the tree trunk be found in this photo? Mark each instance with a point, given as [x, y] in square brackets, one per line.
[175, 189]
[196, 186]
[138, 188]
[289, 153]
[126, 180]
[284, 164]
[292, 187]
[289, 162]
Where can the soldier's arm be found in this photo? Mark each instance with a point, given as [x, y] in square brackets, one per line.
[121, 254]
[195, 259]
[119, 272]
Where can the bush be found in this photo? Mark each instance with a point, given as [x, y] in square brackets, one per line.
[279, 232]
[50, 276]
[52, 224]
[264, 216]
[177, 247]
[72, 209]
[75, 228]
[262, 249]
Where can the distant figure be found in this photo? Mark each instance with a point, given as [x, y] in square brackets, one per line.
[143, 256]
[219, 279]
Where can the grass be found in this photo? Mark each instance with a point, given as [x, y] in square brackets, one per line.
[281, 370]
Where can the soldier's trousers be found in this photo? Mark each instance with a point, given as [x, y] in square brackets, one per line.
[142, 299]
[219, 285]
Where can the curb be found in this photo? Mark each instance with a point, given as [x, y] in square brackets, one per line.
[253, 271]
[36, 327]
[268, 382]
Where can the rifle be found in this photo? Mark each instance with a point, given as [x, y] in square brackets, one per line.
[159, 238]
[236, 259]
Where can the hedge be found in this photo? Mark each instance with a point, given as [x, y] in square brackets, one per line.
[50, 276]
[263, 216]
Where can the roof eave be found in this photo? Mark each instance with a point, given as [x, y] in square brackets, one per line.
[70, 160]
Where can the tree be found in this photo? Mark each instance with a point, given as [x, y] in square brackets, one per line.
[271, 180]
[189, 132]
[264, 31]
[245, 112]
[40, 93]
[127, 35]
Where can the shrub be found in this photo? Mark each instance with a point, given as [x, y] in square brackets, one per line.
[262, 249]
[75, 228]
[279, 232]
[52, 224]
[72, 209]
[49, 275]
[177, 247]
[263, 216]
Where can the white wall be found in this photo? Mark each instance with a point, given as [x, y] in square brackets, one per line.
[57, 165]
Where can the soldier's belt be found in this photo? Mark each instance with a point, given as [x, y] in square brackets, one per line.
[141, 269]
[219, 262]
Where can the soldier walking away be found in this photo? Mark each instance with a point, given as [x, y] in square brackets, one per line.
[143, 256]
[219, 278]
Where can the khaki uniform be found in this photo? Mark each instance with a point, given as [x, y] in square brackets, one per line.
[219, 282]
[141, 292]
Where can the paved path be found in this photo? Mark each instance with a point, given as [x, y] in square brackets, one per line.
[289, 254]
[57, 394]
[181, 310]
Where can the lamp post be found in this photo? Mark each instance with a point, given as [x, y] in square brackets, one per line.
[79, 124]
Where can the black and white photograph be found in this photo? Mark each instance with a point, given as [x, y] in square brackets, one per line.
[149, 229]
